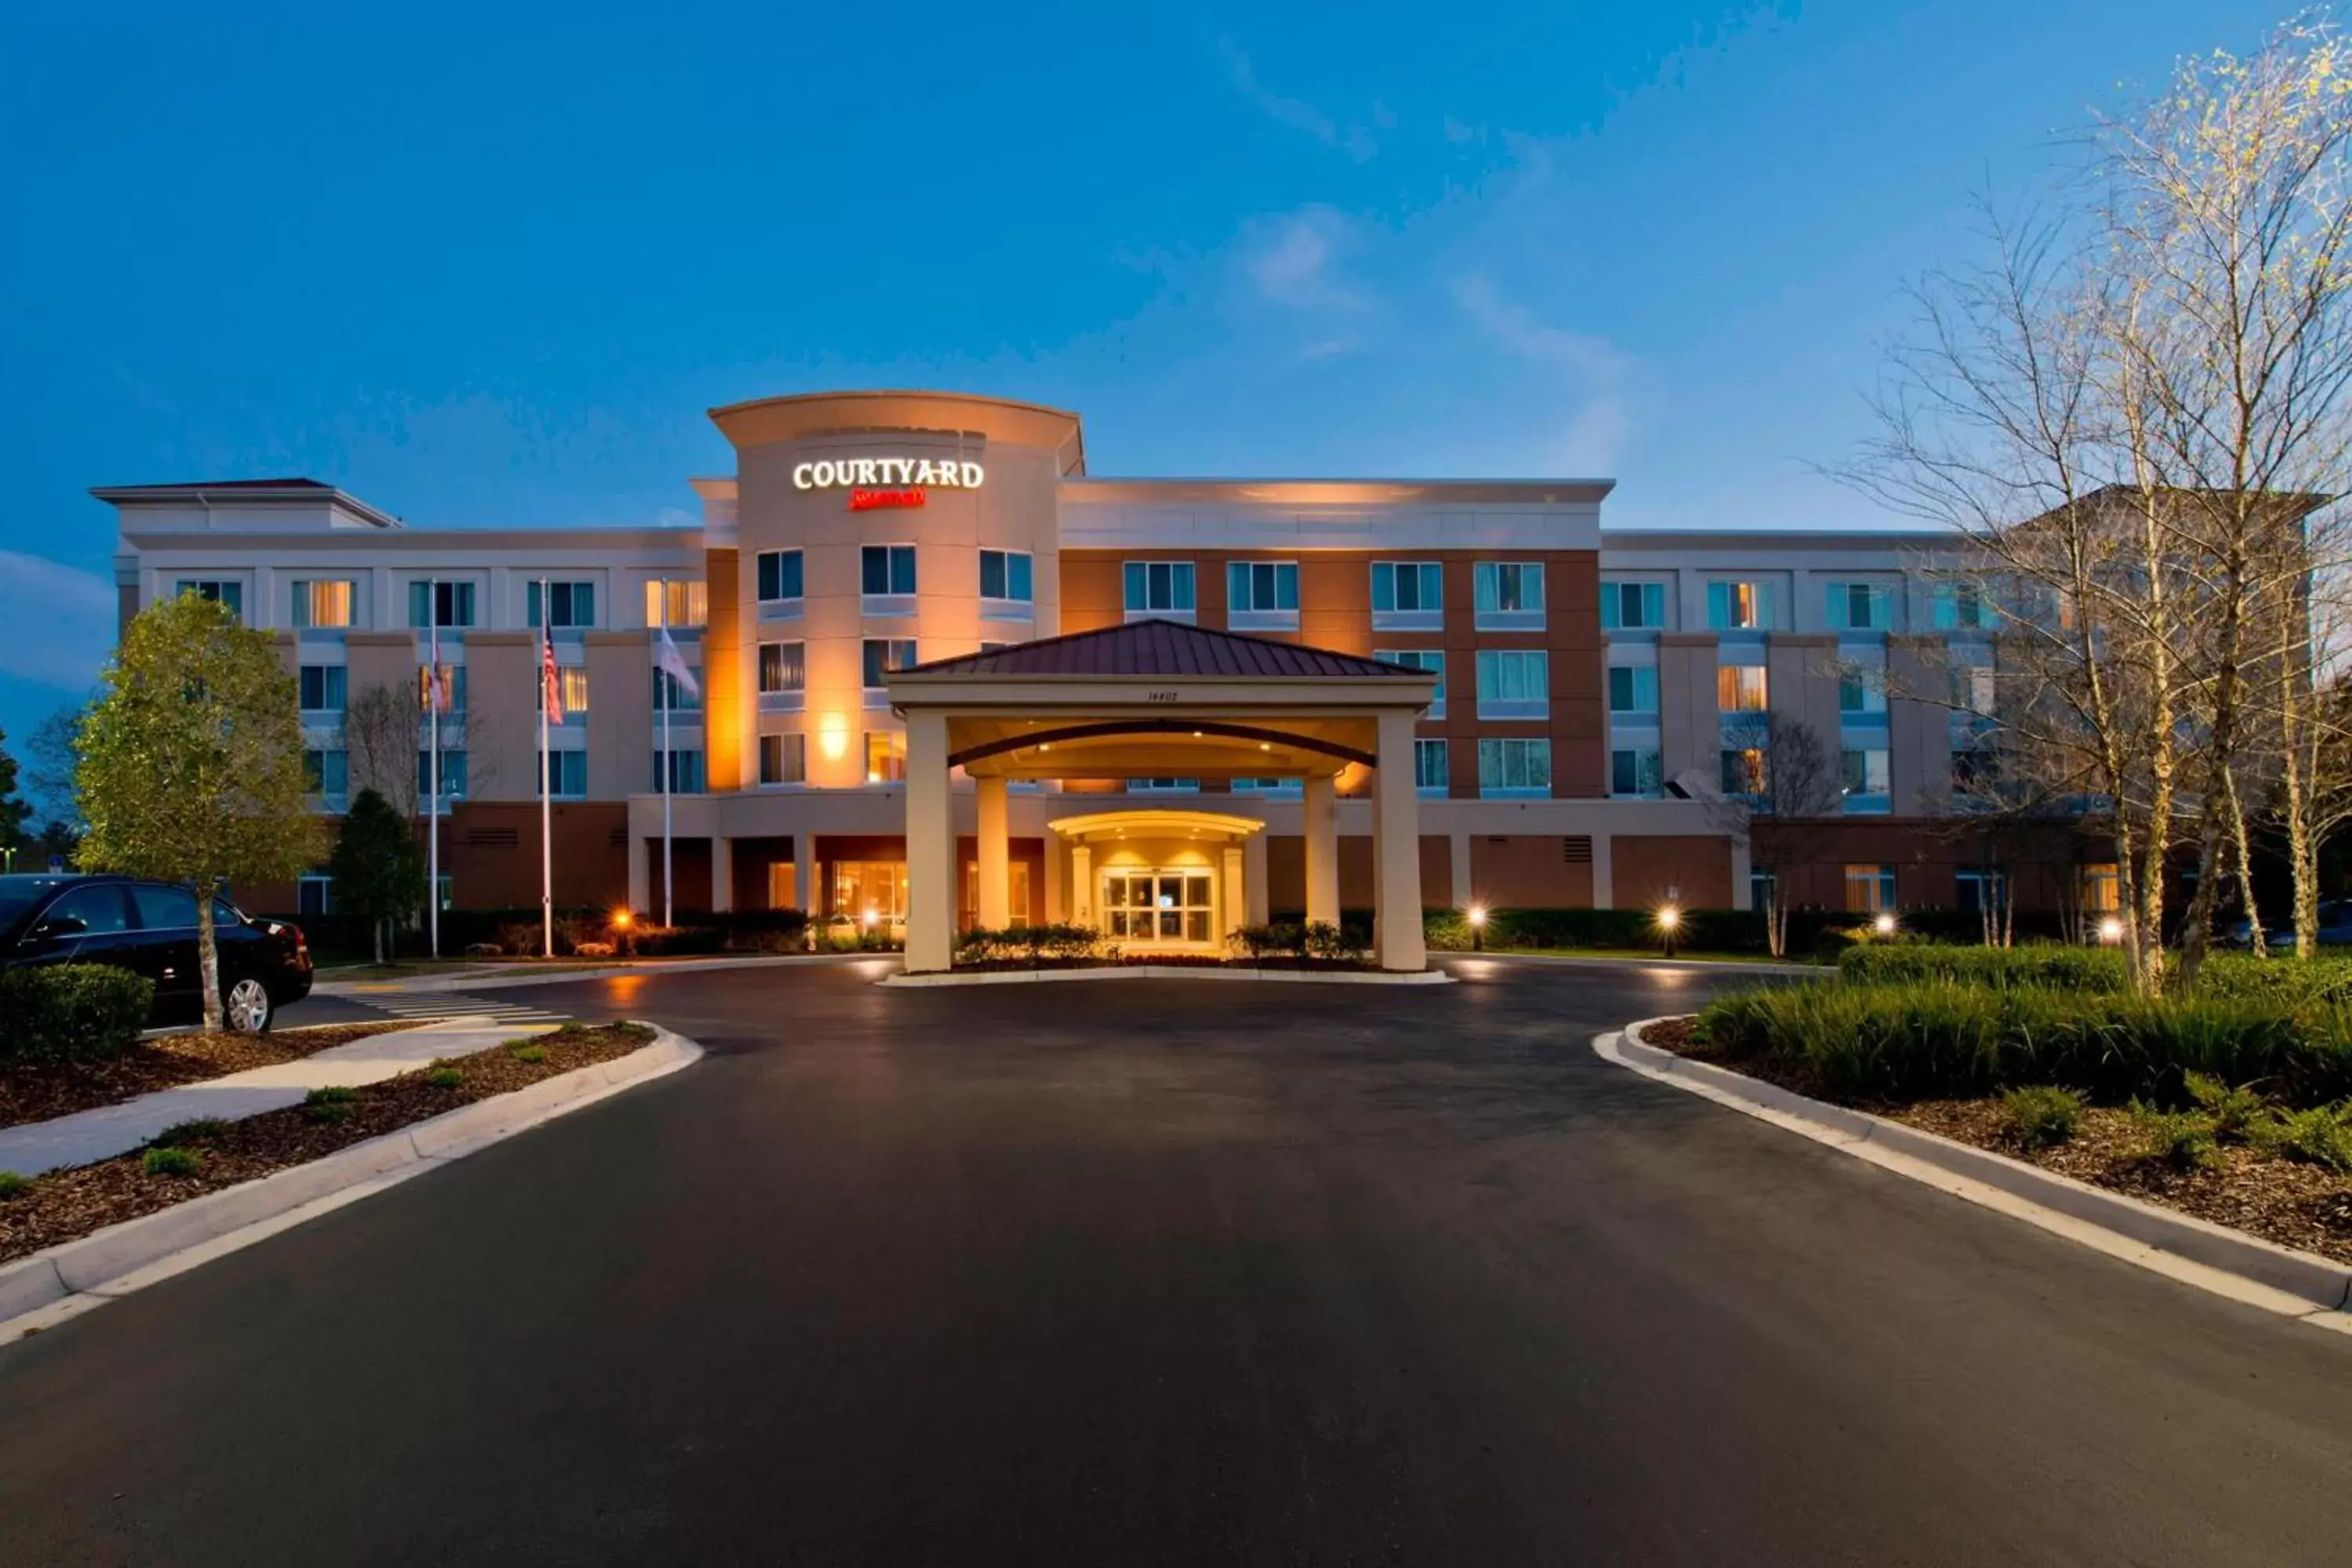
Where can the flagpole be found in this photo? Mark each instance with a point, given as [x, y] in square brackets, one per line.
[546, 760]
[669, 695]
[433, 806]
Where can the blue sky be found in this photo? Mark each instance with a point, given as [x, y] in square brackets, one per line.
[488, 266]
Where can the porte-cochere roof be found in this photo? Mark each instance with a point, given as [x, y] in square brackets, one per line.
[1156, 648]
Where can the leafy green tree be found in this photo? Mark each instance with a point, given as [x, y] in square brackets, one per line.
[191, 763]
[13, 810]
[378, 868]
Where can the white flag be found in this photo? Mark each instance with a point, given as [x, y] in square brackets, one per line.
[668, 657]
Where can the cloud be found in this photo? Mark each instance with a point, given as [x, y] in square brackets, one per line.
[1355, 140]
[1291, 259]
[60, 621]
[1591, 371]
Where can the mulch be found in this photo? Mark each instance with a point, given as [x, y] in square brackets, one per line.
[37, 1091]
[2283, 1201]
[73, 1203]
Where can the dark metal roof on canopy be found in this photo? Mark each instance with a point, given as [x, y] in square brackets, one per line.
[1155, 647]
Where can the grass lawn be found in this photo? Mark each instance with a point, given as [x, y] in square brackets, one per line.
[1636, 955]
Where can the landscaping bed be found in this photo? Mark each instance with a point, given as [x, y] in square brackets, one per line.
[36, 1089]
[2229, 1180]
[196, 1158]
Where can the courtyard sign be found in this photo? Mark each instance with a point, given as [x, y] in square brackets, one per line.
[868, 473]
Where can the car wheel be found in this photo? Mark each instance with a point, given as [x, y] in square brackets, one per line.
[246, 1007]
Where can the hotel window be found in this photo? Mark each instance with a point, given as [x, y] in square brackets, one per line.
[453, 775]
[1869, 889]
[1761, 885]
[1429, 658]
[566, 772]
[886, 756]
[324, 688]
[1741, 689]
[1743, 770]
[314, 895]
[671, 695]
[1632, 607]
[1862, 691]
[1166, 906]
[886, 571]
[1508, 594]
[1007, 590]
[1163, 786]
[1975, 769]
[779, 577]
[1632, 689]
[1158, 588]
[1960, 606]
[322, 604]
[1635, 773]
[1974, 690]
[572, 684]
[1262, 595]
[568, 605]
[327, 776]
[676, 602]
[1514, 768]
[884, 654]
[1979, 892]
[1431, 774]
[216, 591]
[454, 677]
[1408, 596]
[1739, 606]
[440, 603]
[2101, 887]
[1865, 778]
[783, 667]
[873, 891]
[684, 770]
[1514, 683]
[1859, 607]
[1288, 787]
[784, 759]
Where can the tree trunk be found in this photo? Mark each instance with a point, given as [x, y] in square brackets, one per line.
[378, 929]
[207, 954]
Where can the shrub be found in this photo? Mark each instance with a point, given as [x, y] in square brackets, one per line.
[11, 1183]
[2041, 1116]
[484, 949]
[445, 1078]
[523, 1053]
[200, 1130]
[2181, 1139]
[71, 1012]
[1327, 944]
[171, 1161]
[593, 948]
[2234, 1111]
[2048, 966]
[2320, 1136]
[329, 1105]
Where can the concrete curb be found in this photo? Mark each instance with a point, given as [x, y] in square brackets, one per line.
[2300, 1285]
[1170, 971]
[1635, 959]
[68, 1279]
[425, 984]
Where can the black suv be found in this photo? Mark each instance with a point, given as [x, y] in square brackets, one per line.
[150, 928]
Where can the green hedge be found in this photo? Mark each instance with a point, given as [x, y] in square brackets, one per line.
[1708, 930]
[71, 1012]
[1928, 1038]
[2047, 965]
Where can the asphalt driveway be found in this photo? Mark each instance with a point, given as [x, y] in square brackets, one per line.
[1169, 1272]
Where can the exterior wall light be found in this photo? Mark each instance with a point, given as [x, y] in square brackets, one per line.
[2111, 930]
[1477, 915]
[1670, 925]
[1885, 924]
[833, 737]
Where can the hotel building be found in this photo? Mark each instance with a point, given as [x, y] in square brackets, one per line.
[1548, 707]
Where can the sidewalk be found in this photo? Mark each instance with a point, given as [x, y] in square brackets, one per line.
[111, 1130]
[490, 976]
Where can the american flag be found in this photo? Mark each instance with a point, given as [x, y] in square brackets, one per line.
[552, 694]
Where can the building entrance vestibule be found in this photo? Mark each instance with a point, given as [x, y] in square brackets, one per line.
[1162, 908]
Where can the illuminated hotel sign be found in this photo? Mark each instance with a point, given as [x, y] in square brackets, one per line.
[879, 500]
[883, 473]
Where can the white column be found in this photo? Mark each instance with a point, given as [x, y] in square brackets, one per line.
[1323, 847]
[1237, 892]
[640, 873]
[1457, 851]
[723, 874]
[1259, 903]
[995, 912]
[1604, 871]
[1082, 885]
[1057, 878]
[1396, 849]
[930, 846]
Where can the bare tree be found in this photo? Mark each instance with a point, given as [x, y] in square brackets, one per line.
[1784, 809]
[380, 731]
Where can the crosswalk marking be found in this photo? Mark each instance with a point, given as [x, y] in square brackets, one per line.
[422, 1006]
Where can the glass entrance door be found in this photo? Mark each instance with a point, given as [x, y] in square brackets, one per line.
[1161, 907]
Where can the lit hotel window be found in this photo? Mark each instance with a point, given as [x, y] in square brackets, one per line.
[1739, 606]
[322, 604]
[1869, 889]
[1743, 771]
[676, 602]
[1741, 689]
[886, 756]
